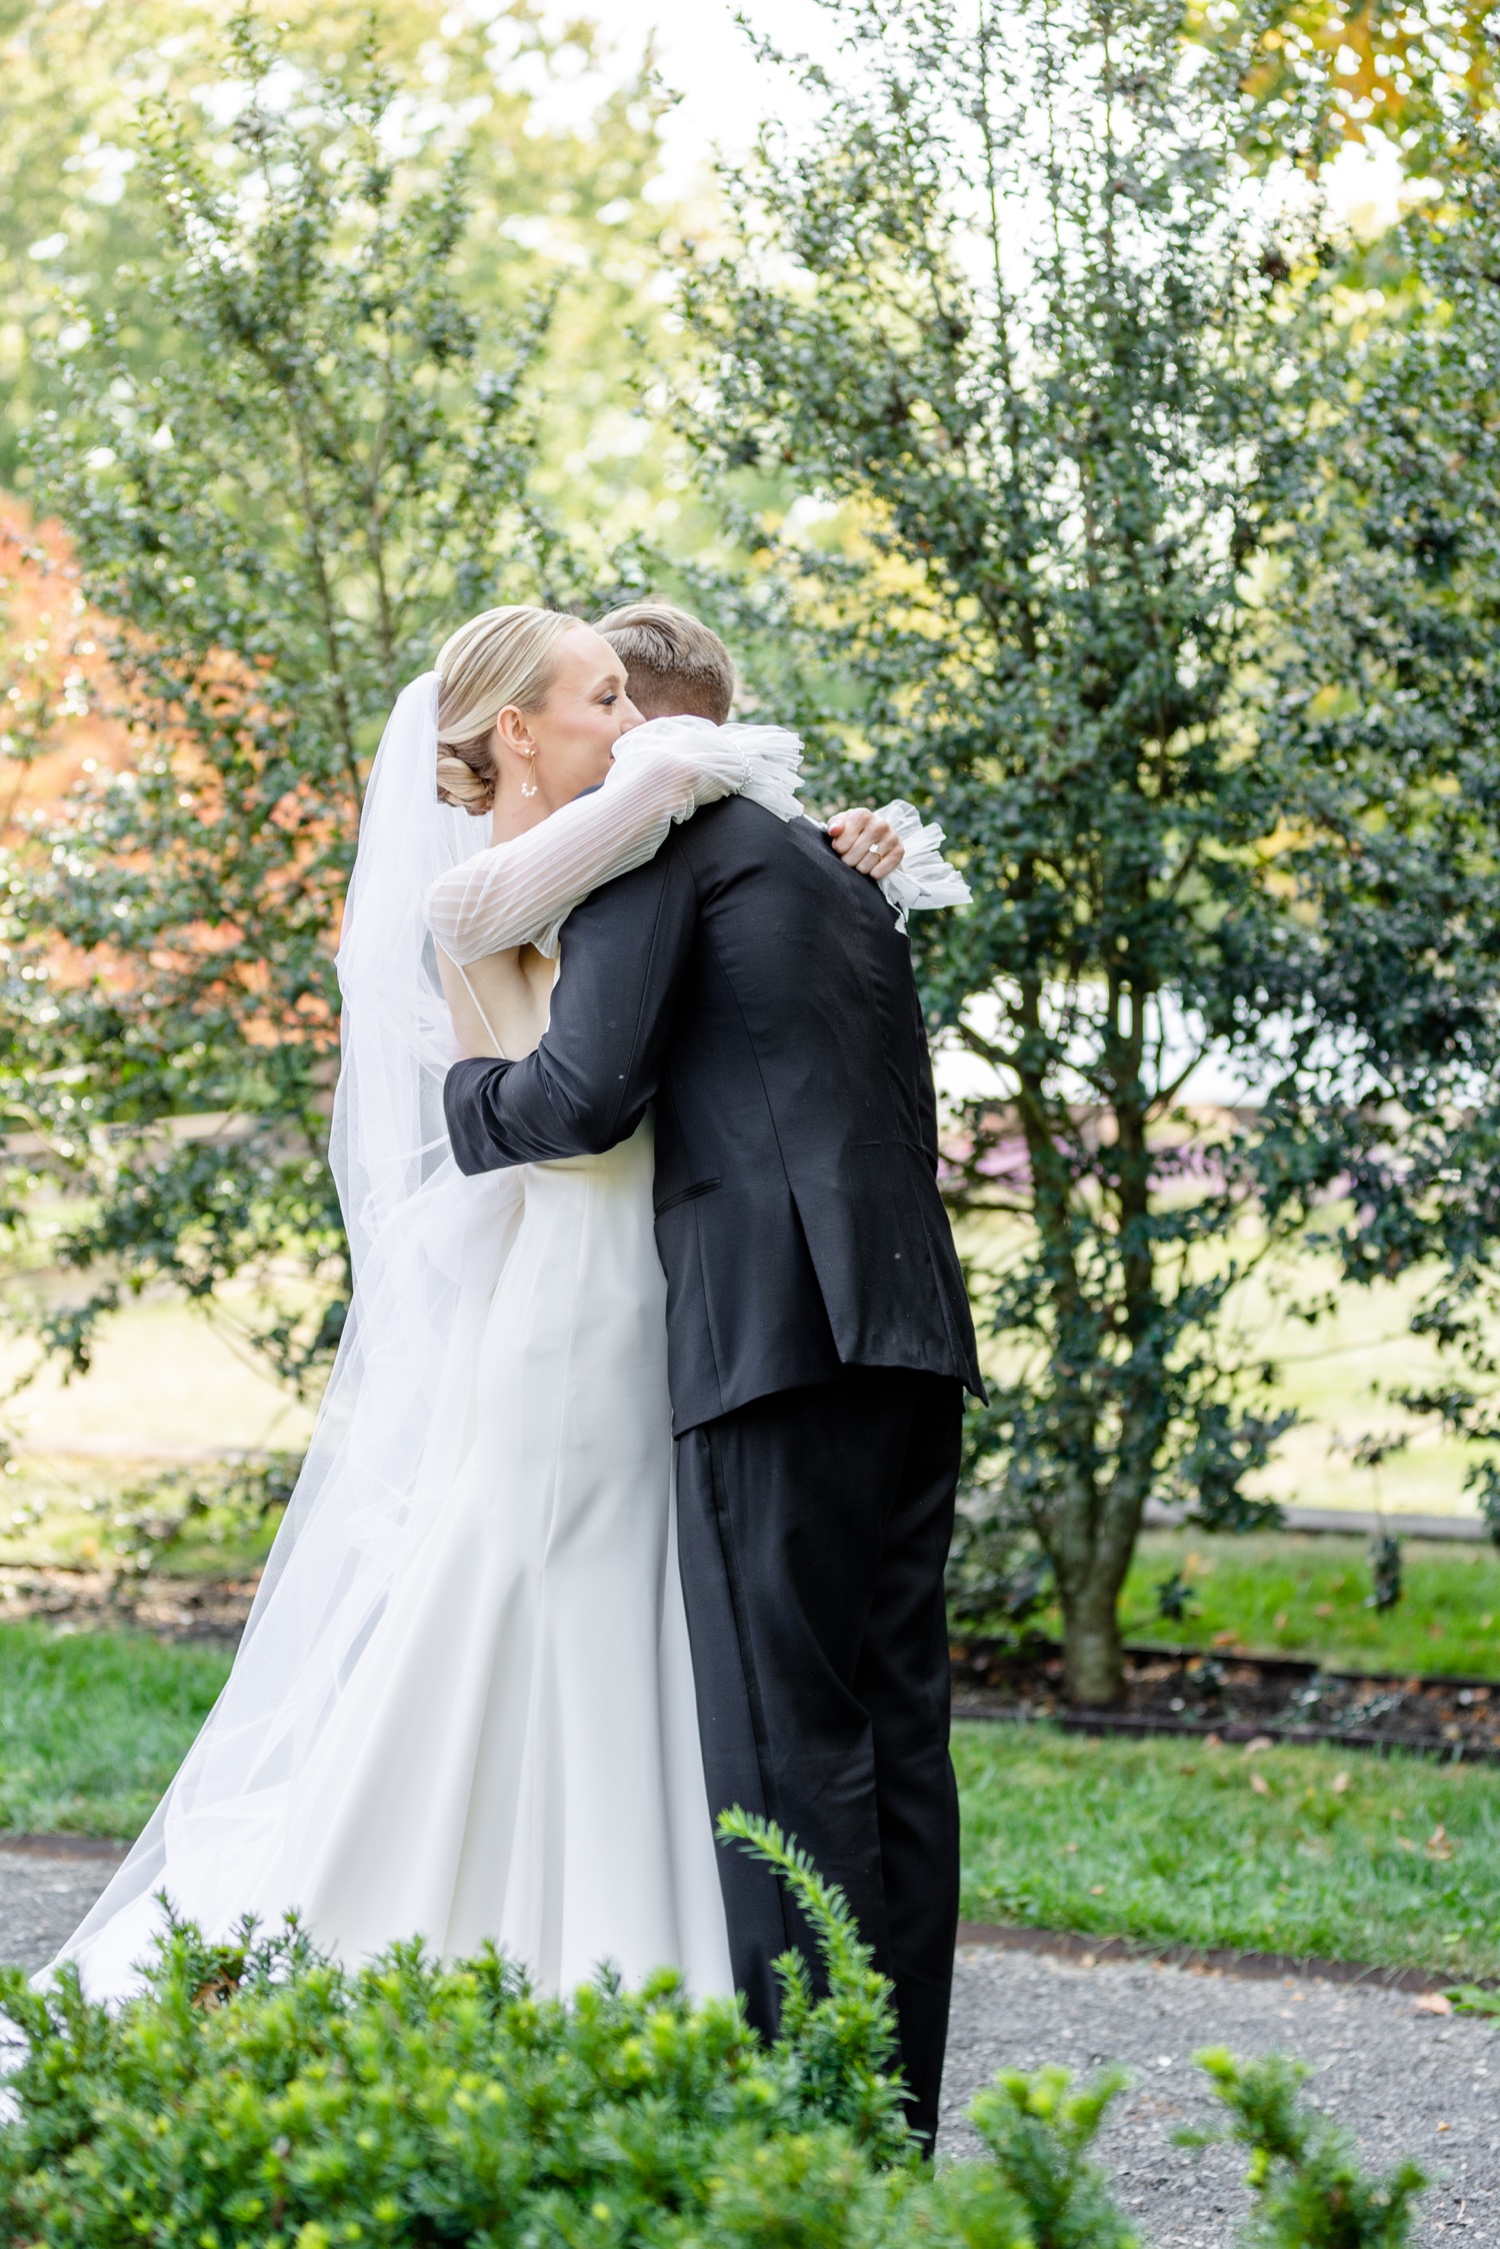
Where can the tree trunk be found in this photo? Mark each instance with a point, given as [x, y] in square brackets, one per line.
[1093, 1664]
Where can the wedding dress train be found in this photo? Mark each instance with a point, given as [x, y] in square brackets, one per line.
[514, 1753]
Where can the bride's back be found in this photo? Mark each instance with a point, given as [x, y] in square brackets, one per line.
[501, 1002]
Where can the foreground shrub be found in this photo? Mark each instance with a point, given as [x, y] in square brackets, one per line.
[1310, 2190]
[1039, 2132]
[258, 2096]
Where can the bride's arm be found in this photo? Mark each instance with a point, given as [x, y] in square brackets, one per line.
[518, 892]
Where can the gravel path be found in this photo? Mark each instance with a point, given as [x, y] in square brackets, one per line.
[44, 1894]
[1406, 2081]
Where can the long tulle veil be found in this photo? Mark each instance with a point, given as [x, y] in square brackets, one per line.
[427, 1246]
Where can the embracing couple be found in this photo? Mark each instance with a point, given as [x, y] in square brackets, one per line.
[630, 1496]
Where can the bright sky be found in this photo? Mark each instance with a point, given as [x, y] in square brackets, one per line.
[702, 53]
[725, 93]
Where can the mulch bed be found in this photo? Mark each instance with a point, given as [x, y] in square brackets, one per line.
[1168, 1690]
[1206, 1960]
[1238, 1697]
[169, 1608]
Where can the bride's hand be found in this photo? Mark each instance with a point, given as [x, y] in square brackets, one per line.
[867, 842]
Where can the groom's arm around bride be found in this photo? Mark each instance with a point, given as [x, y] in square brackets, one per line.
[760, 994]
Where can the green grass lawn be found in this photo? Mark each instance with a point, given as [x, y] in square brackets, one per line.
[93, 1725]
[1306, 1596]
[1397, 1863]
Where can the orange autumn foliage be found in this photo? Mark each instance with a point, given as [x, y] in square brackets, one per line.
[55, 682]
[64, 719]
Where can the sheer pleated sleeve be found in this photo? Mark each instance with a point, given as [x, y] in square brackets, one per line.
[521, 892]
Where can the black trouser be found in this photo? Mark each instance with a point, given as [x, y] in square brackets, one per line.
[814, 1526]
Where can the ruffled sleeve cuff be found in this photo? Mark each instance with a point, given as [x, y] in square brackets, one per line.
[773, 762]
[924, 880]
[707, 757]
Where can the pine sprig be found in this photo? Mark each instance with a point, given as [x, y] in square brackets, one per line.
[842, 2048]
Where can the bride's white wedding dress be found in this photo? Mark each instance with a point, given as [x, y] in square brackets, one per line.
[463, 1707]
[516, 1755]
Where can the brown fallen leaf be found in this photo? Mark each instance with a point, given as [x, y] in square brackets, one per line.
[1434, 2003]
[1405, 1843]
[1280, 1621]
[1445, 2127]
[1440, 1844]
[1339, 1783]
[1260, 1784]
[1257, 1743]
[1097, 1891]
[1323, 1608]
[1228, 1639]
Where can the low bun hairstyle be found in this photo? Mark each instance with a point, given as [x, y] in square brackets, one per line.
[502, 657]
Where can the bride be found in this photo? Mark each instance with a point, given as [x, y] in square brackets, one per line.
[463, 1706]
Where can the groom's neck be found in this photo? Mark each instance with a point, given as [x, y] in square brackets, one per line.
[661, 701]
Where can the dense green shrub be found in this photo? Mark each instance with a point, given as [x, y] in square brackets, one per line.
[258, 2096]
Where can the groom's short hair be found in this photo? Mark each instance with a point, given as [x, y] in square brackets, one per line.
[677, 667]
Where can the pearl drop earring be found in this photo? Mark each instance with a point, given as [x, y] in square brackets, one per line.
[528, 788]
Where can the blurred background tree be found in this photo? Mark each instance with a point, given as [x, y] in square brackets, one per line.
[999, 309]
[290, 445]
[1305, 79]
[1379, 673]
[561, 137]
[1029, 396]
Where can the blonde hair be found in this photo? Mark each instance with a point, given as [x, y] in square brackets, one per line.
[502, 657]
[677, 667]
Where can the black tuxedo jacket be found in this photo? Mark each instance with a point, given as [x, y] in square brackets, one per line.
[759, 993]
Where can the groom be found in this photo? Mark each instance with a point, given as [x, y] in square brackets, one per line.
[758, 991]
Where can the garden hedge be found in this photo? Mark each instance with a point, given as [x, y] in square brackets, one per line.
[260, 2096]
